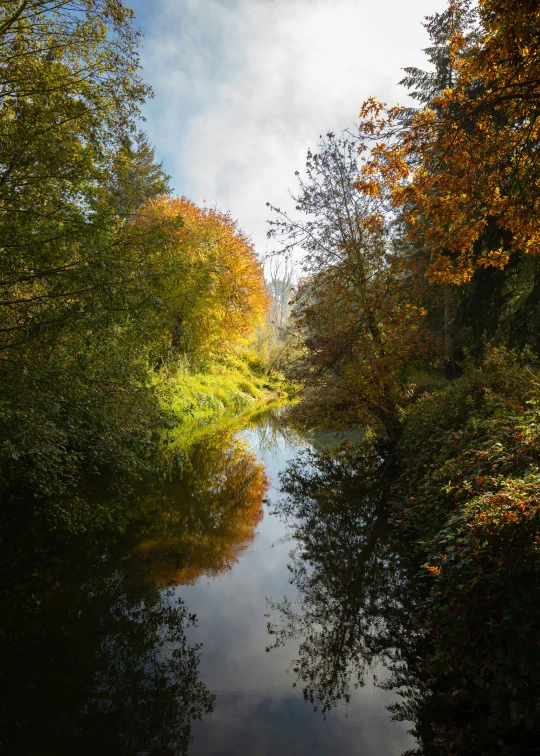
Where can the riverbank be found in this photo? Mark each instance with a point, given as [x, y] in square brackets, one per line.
[161, 419]
[196, 400]
[469, 497]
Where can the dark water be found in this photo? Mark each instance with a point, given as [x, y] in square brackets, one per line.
[233, 618]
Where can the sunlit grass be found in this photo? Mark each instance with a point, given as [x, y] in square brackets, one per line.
[215, 393]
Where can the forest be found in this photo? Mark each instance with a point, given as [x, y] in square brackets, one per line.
[402, 298]
[112, 288]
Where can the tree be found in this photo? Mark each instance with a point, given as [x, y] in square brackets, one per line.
[71, 92]
[492, 155]
[361, 329]
[75, 389]
[281, 278]
[467, 164]
[213, 295]
[137, 177]
[426, 86]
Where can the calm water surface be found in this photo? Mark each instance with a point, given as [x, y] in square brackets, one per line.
[243, 615]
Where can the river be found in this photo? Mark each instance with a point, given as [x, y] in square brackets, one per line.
[255, 609]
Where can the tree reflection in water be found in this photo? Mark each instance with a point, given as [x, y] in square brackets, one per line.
[275, 433]
[96, 658]
[354, 604]
[96, 661]
[202, 523]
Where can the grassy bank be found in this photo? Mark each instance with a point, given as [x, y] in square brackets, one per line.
[216, 393]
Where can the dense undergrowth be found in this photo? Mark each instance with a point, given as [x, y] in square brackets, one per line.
[469, 496]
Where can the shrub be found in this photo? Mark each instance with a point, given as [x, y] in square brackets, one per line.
[470, 496]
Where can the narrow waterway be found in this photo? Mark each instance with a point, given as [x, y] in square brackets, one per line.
[255, 609]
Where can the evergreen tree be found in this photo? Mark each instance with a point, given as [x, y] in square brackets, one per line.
[424, 86]
[137, 176]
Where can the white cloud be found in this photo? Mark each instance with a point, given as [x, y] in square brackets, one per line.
[243, 87]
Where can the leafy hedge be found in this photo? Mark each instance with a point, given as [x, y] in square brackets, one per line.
[470, 497]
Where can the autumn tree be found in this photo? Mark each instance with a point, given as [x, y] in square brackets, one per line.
[275, 343]
[492, 112]
[425, 86]
[487, 125]
[361, 328]
[99, 278]
[213, 295]
[462, 170]
[466, 164]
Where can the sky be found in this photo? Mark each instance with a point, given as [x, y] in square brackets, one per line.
[244, 87]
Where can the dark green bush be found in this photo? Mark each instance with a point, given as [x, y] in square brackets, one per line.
[470, 497]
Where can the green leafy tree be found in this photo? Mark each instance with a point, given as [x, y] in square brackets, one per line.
[71, 91]
[74, 382]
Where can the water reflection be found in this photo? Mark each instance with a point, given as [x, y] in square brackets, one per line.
[355, 601]
[96, 663]
[97, 658]
[202, 523]
[102, 651]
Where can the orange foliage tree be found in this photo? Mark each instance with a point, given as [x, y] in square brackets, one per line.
[209, 291]
[465, 168]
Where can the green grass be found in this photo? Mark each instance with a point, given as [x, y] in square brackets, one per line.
[195, 399]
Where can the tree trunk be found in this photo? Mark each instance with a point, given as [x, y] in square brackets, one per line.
[448, 345]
